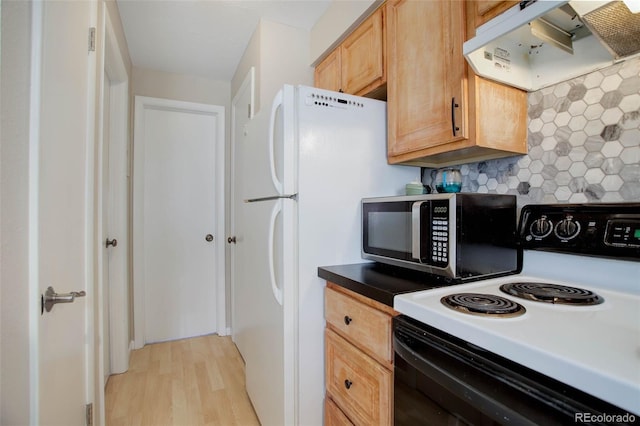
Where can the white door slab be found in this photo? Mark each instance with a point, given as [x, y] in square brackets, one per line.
[178, 220]
[61, 214]
[241, 114]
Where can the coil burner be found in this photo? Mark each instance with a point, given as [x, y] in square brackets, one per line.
[483, 304]
[552, 293]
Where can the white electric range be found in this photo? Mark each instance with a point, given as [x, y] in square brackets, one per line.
[581, 326]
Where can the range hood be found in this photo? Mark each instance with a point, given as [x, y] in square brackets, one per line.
[539, 43]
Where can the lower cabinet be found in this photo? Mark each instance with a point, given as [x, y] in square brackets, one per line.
[358, 359]
[333, 416]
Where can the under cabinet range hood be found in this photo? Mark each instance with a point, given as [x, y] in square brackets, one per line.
[539, 43]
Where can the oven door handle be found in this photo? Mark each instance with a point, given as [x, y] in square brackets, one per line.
[454, 384]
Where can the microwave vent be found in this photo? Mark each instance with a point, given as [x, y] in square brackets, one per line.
[617, 27]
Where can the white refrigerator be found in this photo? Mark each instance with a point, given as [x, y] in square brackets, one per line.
[305, 168]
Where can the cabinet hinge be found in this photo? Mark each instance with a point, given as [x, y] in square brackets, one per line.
[89, 414]
[92, 39]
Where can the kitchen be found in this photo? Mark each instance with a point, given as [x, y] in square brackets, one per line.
[580, 167]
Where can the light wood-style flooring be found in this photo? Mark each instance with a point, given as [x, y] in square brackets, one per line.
[198, 381]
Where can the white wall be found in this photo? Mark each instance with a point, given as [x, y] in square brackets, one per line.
[181, 87]
[14, 262]
[250, 58]
[280, 55]
[340, 19]
[284, 53]
[114, 15]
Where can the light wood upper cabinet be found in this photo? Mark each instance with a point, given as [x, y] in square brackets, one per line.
[485, 10]
[362, 55]
[440, 113]
[328, 73]
[426, 73]
[357, 66]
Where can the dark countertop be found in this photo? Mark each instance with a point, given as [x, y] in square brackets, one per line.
[378, 281]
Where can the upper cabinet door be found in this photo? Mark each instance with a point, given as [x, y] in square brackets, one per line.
[362, 55]
[358, 65]
[426, 97]
[328, 73]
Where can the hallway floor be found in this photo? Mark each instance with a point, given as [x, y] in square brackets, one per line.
[197, 381]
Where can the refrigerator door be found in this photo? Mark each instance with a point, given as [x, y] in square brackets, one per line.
[260, 296]
[262, 339]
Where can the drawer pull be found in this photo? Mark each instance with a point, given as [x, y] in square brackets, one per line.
[347, 319]
[348, 383]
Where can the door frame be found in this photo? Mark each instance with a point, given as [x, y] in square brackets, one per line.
[142, 103]
[247, 84]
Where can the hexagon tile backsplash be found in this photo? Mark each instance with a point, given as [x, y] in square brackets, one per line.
[584, 144]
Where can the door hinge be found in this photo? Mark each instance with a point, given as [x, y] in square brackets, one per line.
[92, 39]
[89, 414]
[249, 111]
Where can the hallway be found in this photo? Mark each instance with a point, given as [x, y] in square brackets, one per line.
[197, 381]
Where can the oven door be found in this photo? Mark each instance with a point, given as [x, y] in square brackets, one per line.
[440, 379]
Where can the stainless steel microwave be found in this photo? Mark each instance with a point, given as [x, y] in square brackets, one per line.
[459, 236]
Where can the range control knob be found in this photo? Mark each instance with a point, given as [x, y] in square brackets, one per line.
[567, 228]
[541, 227]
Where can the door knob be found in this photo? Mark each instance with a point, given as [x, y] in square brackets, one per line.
[231, 240]
[113, 242]
[209, 238]
[50, 298]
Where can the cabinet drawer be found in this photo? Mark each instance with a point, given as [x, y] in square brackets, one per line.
[365, 327]
[333, 416]
[357, 383]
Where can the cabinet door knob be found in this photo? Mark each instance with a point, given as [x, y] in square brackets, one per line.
[348, 383]
[347, 319]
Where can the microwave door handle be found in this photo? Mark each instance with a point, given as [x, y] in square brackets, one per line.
[416, 232]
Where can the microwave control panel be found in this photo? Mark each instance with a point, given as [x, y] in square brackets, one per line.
[439, 233]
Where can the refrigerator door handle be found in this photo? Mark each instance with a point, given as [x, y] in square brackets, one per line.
[273, 197]
[278, 101]
[277, 291]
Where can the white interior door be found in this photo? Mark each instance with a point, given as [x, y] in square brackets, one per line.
[61, 213]
[107, 220]
[241, 114]
[115, 212]
[178, 220]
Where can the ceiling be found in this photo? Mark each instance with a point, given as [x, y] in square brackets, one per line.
[205, 38]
